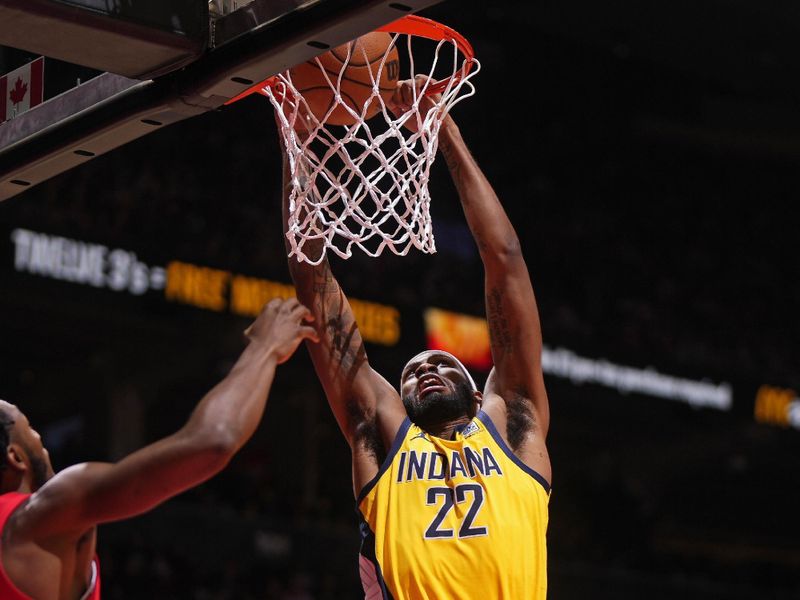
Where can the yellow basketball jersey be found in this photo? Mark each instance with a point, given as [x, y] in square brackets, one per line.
[454, 520]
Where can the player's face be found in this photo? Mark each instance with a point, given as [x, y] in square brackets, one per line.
[429, 372]
[434, 387]
[31, 442]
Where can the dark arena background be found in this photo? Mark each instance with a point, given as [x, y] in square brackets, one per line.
[648, 156]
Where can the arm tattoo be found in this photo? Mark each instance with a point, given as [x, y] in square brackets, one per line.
[499, 332]
[324, 282]
[349, 352]
[344, 354]
[453, 164]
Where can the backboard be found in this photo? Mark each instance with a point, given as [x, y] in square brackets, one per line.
[156, 65]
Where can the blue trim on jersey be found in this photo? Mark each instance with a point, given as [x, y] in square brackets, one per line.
[398, 441]
[487, 421]
[368, 552]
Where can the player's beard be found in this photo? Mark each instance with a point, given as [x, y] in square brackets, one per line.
[439, 407]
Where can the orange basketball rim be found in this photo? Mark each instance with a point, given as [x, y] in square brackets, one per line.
[411, 25]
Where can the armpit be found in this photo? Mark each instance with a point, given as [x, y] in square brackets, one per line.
[521, 419]
[365, 435]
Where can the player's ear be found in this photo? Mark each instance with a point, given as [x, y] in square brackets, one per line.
[478, 397]
[15, 458]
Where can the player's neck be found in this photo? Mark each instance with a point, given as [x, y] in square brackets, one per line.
[445, 430]
[15, 484]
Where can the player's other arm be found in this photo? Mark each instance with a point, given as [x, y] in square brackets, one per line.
[364, 404]
[516, 339]
[86, 494]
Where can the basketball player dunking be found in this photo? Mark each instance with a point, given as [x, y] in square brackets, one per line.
[452, 484]
[48, 521]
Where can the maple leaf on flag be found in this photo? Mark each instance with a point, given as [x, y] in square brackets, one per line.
[17, 94]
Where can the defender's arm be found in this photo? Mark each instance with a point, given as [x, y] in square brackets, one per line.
[91, 493]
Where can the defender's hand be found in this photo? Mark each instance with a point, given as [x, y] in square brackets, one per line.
[280, 327]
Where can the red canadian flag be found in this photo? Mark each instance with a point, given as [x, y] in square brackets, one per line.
[22, 89]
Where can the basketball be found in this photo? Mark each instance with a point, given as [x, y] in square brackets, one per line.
[366, 55]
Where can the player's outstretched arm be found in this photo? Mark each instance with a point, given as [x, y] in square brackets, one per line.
[86, 494]
[510, 302]
[516, 339]
[367, 408]
[514, 328]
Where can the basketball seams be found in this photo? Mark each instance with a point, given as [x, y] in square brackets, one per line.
[364, 48]
[354, 63]
[339, 112]
[358, 82]
[335, 77]
[335, 52]
[353, 106]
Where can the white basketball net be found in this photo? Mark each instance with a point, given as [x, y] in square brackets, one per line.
[365, 184]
